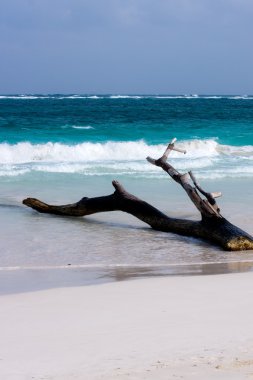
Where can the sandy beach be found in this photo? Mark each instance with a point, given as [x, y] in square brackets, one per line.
[193, 327]
[114, 115]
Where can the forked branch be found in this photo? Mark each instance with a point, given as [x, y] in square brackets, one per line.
[207, 207]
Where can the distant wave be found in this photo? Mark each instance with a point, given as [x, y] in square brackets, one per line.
[244, 97]
[118, 97]
[79, 97]
[23, 97]
[207, 158]
[127, 97]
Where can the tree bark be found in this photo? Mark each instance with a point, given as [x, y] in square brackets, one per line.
[212, 226]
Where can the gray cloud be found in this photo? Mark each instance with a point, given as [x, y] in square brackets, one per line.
[144, 46]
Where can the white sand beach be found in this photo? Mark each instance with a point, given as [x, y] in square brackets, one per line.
[194, 327]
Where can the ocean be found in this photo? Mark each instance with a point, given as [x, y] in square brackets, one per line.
[60, 148]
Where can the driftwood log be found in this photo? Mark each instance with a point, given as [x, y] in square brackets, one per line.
[212, 226]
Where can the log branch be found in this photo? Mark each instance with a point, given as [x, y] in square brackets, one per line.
[212, 226]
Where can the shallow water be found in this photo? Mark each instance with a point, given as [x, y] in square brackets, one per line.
[30, 239]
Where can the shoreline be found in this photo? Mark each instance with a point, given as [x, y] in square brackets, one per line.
[188, 327]
[14, 280]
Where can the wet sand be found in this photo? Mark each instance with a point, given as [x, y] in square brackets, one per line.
[27, 279]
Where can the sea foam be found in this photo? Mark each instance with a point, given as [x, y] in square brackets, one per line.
[206, 157]
[87, 151]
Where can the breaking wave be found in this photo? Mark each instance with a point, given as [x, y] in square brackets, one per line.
[208, 158]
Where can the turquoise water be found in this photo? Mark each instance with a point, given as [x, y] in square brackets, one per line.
[40, 119]
[107, 135]
[61, 148]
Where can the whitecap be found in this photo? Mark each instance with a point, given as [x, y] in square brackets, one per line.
[207, 158]
[82, 127]
[116, 151]
[126, 97]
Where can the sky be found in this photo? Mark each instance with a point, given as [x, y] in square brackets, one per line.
[126, 46]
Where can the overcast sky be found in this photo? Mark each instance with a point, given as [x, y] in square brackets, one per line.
[126, 46]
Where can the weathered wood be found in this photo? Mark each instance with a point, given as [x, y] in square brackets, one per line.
[208, 208]
[212, 226]
[223, 233]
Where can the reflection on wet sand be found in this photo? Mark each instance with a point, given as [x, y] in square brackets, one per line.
[126, 273]
[17, 280]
